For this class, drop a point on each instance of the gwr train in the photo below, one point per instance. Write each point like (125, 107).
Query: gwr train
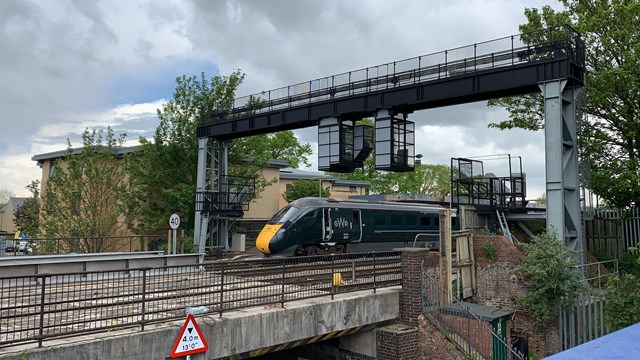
(310, 226)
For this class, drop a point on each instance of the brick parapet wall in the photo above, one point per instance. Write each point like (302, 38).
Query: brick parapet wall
(500, 286)
(397, 342)
(411, 295)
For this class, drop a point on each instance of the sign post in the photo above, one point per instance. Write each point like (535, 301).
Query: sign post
(174, 222)
(190, 341)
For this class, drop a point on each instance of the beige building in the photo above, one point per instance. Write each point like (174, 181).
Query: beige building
(7, 212)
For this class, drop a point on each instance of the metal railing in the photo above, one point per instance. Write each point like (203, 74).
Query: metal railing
(67, 245)
(36, 308)
(473, 336)
(551, 43)
(584, 320)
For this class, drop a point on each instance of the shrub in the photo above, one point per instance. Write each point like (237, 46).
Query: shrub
(488, 250)
(548, 271)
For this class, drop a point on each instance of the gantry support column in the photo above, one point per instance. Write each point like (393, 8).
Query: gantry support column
(223, 195)
(211, 194)
(201, 218)
(561, 152)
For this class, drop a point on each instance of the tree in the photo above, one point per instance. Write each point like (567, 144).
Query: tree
(163, 172)
(306, 188)
(27, 216)
(425, 179)
(5, 195)
(82, 200)
(611, 138)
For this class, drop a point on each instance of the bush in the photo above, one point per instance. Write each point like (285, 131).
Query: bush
(488, 250)
(549, 273)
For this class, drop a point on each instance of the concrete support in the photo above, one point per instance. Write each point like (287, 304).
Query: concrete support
(561, 152)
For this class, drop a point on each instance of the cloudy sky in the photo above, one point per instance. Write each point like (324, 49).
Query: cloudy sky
(72, 64)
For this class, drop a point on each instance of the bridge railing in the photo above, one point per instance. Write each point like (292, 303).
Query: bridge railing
(552, 43)
(44, 306)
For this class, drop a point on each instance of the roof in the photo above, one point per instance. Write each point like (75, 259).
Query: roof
(622, 344)
(122, 150)
(483, 312)
(62, 153)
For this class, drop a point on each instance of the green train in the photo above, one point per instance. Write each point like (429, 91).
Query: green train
(311, 226)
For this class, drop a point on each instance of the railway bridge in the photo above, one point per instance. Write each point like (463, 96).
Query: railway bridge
(244, 308)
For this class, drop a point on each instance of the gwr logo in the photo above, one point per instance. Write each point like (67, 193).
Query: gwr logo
(341, 223)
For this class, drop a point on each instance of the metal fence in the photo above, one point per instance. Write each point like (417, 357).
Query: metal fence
(473, 336)
(585, 320)
(65, 245)
(36, 308)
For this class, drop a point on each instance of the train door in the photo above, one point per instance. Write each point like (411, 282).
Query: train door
(345, 225)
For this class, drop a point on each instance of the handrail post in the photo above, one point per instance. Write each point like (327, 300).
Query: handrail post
(144, 297)
(375, 274)
(284, 272)
(221, 289)
(332, 277)
(41, 325)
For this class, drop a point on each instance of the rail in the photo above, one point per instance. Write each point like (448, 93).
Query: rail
(551, 43)
(44, 306)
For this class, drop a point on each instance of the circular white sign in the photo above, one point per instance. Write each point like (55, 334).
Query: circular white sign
(174, 221)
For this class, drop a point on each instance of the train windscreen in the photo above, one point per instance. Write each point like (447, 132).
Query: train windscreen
(282, 216)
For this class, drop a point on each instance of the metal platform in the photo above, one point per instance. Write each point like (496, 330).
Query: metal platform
(507, 66)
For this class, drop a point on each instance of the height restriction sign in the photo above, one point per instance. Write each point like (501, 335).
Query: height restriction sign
(190, 340)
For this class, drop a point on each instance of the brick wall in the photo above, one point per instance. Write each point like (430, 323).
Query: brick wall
(500, 286)
(411, 295)
(397, 342)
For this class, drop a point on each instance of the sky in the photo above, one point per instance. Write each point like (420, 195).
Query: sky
(68, 65)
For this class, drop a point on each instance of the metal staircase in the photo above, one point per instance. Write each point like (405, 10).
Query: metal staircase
(502, 219)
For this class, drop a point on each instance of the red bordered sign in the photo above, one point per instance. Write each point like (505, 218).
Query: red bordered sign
(190, 340)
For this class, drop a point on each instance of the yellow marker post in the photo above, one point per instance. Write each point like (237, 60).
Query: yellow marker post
(337, 279)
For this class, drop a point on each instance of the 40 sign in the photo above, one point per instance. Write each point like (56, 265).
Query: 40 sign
(190, 341)
(174, 221)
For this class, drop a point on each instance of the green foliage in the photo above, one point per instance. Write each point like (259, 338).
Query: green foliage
(27, 216)
(623, 301)
(623, 295)
(612, 103)
(82, 200)
(628, 264)
(306, 188)
(548, 271)
(163, 172)
(488, 250)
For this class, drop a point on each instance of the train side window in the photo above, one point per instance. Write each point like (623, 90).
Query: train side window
(396, 220)
(379, 220)
(411, 220)
(356, 218)
(425, 221)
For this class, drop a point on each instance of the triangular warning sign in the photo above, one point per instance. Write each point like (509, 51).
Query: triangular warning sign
(189, 342)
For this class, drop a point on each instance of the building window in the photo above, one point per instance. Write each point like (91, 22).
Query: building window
(52, 169)
(288, 188)
(352, 189)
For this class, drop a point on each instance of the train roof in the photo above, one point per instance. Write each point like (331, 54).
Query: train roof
(363, 204)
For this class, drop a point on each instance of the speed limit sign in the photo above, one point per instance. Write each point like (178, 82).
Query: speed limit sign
(174, 221)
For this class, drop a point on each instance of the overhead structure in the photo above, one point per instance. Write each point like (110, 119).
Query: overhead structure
(551, 60)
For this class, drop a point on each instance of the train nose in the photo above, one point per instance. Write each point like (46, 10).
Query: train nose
(265, 236)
